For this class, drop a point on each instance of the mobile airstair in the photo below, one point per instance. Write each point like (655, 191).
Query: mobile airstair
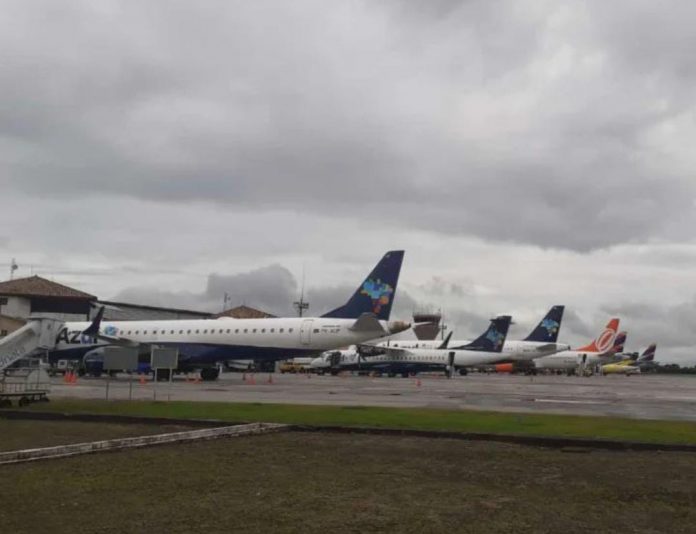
(22, 376)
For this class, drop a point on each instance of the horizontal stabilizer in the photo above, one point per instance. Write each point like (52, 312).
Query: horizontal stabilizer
(367, 322)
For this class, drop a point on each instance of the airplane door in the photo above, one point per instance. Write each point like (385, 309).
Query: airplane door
(306, 332)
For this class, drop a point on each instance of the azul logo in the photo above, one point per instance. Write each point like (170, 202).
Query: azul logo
(495, 337)
(75, 337)
(551, 326)
(379, 292)
(110, 330)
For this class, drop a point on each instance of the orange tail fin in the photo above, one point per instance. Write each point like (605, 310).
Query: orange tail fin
(605, 340)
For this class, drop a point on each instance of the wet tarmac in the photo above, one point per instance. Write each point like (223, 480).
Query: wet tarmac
(641, 397)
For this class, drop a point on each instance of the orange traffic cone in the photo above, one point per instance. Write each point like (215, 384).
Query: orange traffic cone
(270, 378)
(141, 379)
(418, 382)
(252, 381)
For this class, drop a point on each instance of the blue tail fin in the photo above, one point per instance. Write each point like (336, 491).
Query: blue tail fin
(547, 330)
(493, 339)
(376, 293)
(649, 354)
(619, 342)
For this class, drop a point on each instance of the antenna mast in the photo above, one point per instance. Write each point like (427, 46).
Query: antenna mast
(300, 305)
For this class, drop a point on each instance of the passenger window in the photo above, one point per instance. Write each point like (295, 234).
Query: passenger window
(236, 330)
(253, 331)
(198, 331)
(181, 331)
(129, 332)
(281, 330)
(316, 330)
(144, 332)
(263, 330)
(246, 330)
(290, 330)
(272, 330)
(228, 330)
(205, 331)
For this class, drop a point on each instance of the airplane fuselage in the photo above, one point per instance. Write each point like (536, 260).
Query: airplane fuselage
(570, 359)
(514, 350)
(211, 340)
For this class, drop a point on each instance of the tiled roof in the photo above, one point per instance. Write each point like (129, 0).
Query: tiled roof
(245, 312)
(35, 286)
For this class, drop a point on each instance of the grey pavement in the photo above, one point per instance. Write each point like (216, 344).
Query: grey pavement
(640, 397)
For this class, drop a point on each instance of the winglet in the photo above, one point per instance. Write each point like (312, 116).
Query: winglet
(446, 341)
(93, 329)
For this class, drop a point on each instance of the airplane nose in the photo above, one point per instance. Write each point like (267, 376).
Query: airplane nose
(398, 326)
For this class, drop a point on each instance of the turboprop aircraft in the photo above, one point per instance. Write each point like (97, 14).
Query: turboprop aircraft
(202, 343)
(595, 353)
(398, 360)
(516, 354)
(631, 366)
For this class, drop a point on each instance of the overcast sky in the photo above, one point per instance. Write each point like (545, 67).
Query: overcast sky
(523, 153)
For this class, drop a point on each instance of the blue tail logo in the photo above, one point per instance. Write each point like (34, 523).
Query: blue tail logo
(376, 292)
(496, 338)
(547, 330)
(551, 326)
(379, 292)
(493, 339)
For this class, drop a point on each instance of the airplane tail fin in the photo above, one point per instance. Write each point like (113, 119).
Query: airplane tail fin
(493, 339)
(547, 330)
(93, 329)
(649, 354)
(619, 342)
(376, 294)
(605, 340)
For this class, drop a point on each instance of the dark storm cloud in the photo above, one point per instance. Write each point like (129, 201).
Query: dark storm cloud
(272, 289)
(525, 122)
(671, 327)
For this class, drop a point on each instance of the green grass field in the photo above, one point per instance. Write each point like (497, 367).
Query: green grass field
(400, 418)
(307, 482)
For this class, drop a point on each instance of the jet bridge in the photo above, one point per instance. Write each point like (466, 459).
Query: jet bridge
(38, 334)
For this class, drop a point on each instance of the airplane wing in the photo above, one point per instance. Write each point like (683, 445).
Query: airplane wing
(367, 351)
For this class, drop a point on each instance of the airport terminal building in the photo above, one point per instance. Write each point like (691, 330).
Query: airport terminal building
(22, 297)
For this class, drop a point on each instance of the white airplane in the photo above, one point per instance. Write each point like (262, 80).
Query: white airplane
(597, 352)
(405, 361)
(542, 341)
(202, 343)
